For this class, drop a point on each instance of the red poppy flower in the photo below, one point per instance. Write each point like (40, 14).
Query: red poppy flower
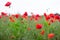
(17, 15)
(45, 14)
(51, 35)
(52, 15)
(26, 17)
(38, 26)
(52, 20)
(3, 13)
(8, 4)
(33, 15)
(42, 32)
(0, 16)
(36, 18)
(13, 15)
(56, 16)
(37, 15)
(47, 17)
(25, 14)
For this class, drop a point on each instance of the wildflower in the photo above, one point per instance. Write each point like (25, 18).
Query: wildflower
(17, 15)
(25, 14)
(11, 19)
(52, 20)
(38, 26)
(45, 14)
(26, 17)
(47, 18)
(42, 32)
(56, 16)
(3, 13)
(51, 35)
(37, 15)
(8, 4)
(13, 15)
(36, 18)
(33, 15)
(51, 15)
(0, 16)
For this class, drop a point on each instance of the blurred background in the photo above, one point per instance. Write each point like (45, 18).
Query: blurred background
(35, 6)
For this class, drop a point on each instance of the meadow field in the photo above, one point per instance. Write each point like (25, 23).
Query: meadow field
(34, 27)
(24, 27)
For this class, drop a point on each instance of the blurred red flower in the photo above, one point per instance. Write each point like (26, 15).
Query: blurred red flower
(13, 15)
(47, 18)
(56, 16)
(52, 20)
(45, 14)
(37, 15)
(3, 13)
(38, 26)
(26, 17)
(51, 35)
(51, 15)
(0, 16)
(42, 32)
(25, 14)
(8, 4)
(17, 15)
(33, 16)
(36, 18)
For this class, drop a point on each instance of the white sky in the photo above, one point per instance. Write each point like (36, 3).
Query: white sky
(35, 6)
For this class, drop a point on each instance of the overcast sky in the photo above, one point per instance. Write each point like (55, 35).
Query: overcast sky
(35, 6)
